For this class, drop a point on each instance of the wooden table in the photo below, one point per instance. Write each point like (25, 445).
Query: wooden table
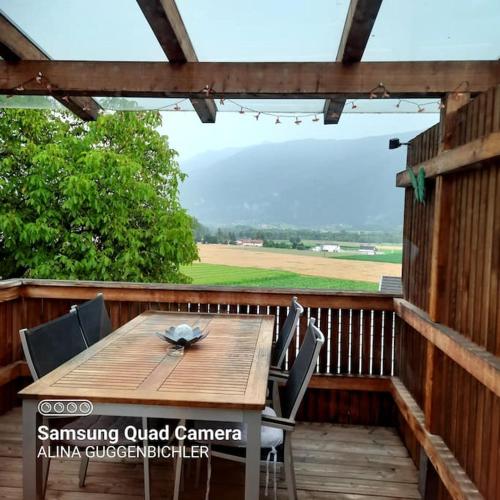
(129, 373)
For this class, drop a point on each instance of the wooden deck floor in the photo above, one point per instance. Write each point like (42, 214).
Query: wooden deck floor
(331, 461)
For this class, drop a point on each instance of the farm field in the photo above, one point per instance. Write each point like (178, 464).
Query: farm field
(297, 262)
(390, 256)
(215, 274)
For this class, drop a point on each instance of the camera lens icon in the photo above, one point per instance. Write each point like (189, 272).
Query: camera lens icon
(85, 407)
(59, 407)
(71, 407)
(45, 407)
(65, 408)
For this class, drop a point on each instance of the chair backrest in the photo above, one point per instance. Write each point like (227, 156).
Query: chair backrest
(301, 371)
(50, 345)
(94, 319)
(286, 334)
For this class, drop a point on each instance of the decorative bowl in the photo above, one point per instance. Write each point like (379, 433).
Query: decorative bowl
(182, 335)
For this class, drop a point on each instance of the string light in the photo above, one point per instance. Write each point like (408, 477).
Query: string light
(379, 91)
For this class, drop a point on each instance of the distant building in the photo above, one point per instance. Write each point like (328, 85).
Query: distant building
(250, 243)
(326, 248)
(368, 249)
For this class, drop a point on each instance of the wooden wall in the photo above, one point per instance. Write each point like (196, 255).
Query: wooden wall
(471, 302)
(417, 239)
(451, 277)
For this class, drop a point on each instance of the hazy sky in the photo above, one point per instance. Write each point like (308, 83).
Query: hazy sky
(260, 30)
(190, 137)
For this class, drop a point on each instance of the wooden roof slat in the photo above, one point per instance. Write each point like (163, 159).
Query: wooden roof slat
(274, 80)
(166, 22)
(15, 46)
(359, 23)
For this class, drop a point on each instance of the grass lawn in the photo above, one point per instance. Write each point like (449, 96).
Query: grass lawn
(389, 256)
(214, 274)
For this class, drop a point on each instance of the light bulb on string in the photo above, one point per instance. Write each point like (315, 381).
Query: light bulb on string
(257, 115)
(297, 121)
(386, 94)
(315, 119)
(221, 101)
(177, 107)
(20, 88)
(39, 77)
(277, 122)
(398, 104)
(353, 105)
(420, 109)
(65, 98)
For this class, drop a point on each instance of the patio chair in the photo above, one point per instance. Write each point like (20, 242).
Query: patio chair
(50, 345)
(280, 348)
(276, 433)
(94, 319)
(286, 334)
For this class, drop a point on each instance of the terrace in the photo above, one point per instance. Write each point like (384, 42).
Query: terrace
(405, 400)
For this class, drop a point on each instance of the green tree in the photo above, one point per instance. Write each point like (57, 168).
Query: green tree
(94, 201)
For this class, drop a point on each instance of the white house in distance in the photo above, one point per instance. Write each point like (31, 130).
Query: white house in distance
(250, 243)
(330, 248)
(368, 249)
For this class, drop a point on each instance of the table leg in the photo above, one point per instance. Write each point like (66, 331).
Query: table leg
(32, 466)
(145, 462)
(252, 465)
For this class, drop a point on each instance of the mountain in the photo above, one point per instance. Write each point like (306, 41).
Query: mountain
(308, 183)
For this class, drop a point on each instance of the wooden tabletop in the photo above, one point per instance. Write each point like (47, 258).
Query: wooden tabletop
(228, 369)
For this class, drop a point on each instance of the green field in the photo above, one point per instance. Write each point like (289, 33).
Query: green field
(214, 274)
(389, 256)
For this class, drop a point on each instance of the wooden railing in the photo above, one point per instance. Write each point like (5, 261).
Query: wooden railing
(359, 329)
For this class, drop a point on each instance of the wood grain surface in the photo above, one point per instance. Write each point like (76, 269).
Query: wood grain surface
(227, 369)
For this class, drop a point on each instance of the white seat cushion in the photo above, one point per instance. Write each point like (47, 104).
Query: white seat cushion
(270, 437)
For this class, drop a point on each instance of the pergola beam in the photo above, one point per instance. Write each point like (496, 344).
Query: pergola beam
(15, 46)
(165, 20)
(359, 23)
(301, 80)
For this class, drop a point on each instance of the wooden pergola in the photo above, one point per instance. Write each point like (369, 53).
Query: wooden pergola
(432, 365)
(26, 70)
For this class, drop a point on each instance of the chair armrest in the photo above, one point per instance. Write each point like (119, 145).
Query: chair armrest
(279, 422)
(278, 375)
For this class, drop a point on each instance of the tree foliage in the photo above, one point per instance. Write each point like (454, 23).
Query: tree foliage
(97, 201)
